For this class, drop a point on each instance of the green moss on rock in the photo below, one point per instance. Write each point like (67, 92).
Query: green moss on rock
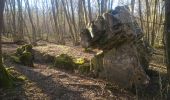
(19, 52)
(84, 68)
(48, 58)
(97, 64)
(5, 80)
(64, 62)
(24, 55)
(27, 59)
(15, 59)
(27, 48)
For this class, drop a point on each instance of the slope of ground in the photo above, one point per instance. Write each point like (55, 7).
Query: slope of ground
(47, 83)
(56, 50)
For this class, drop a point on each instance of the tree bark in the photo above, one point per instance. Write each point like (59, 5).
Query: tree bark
(132, 6)
(32, 23)
(68, 21)
(140, 14)
(153, 27)
(2, 4)
(89, 8)
(167, 38)
(167, 33)
(20, 20)
(4, 78)
(55, 18)
(85, 12)
(147, 20)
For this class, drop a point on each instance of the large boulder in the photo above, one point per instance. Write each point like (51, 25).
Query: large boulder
(24, 55)
(125, 55)
(111, 30)
(122, 66)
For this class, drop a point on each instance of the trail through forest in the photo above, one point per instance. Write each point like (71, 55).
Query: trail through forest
(45, 82)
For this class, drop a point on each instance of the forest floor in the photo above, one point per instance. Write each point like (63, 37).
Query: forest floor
(44, 82)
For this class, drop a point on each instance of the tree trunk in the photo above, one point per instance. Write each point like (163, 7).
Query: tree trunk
(167, 38)
(140, 14)
(80, 15)
(55, 19)
(68, 21)
(147, 20)
(99, 10)
(102, 6)
(13, 9)
(132, 6)
(32, 23)
(20, 20)
(85, 12)
(153, 27)
(89, 8)
(4, 78)
(73, 21)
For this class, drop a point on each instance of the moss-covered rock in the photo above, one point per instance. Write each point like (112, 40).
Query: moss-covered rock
(145, 52)
(24, 55)
(64, 62)
(15, 59)
(27, 48)
(27, 59)
(80, 61)
(19, 51)
(97, 64)
(5, 80)
(48, 58)
(84, 68)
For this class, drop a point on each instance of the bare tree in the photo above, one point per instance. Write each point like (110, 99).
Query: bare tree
(4, 78)
(53, 3)
(132, 6)
(32, 23)
(81, 22)
(167, 35)
(20, 20)
(68, 21)
(89, 8)
(153, 26)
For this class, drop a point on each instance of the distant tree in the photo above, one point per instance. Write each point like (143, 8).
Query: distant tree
(20, 21)
(70, 20)
(30, 14)
(132, 5)
(89, 8)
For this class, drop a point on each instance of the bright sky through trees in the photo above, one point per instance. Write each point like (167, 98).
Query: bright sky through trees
(115, 3)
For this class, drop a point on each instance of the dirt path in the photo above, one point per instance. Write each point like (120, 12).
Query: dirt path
(47, 83)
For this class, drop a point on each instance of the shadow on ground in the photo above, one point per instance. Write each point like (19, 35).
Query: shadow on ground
(54, 89)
